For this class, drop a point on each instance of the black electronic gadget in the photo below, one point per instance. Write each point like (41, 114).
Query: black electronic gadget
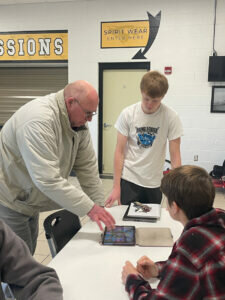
(216, 68)
(120, 236)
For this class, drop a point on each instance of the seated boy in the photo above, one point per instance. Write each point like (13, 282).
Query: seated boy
(195, 268)
(27, 278)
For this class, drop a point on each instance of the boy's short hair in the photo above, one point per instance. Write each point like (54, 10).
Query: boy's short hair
(154, 84)
(191, 188)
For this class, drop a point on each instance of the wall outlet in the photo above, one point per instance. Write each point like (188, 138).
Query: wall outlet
(195, 157)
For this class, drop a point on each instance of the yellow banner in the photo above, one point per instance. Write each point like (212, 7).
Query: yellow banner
(34, 46)
(124, 34)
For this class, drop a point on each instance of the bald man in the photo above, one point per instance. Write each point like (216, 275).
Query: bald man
(40, 145)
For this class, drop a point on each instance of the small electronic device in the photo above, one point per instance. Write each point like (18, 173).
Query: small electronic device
(216, 68)
(120, 236)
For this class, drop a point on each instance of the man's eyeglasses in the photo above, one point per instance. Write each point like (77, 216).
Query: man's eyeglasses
(88, 114)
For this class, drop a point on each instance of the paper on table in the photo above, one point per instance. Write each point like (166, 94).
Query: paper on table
(153, 213)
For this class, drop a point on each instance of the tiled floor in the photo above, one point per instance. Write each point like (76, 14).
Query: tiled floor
(42, 253)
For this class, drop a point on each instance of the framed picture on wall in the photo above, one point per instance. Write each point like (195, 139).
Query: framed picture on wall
(218, 99)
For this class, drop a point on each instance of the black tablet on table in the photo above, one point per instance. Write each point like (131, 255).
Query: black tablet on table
(120, 236)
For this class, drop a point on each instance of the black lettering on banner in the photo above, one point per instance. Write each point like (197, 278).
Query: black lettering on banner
(1, 48)
(114, 31)
(21, 45)
(44, 46)
(58, 46)
(31, 47)
(137, 30)
(11, 49)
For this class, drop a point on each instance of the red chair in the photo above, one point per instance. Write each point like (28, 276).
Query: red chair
(219, 183)
(218, 176)
(167, 166)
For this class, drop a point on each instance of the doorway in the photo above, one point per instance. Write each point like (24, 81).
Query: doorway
(118, 88)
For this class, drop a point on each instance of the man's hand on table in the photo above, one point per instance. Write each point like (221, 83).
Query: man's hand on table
(99, 214)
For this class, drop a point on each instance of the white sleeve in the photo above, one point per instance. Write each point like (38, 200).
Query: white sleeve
(175, 127)
(122, 124)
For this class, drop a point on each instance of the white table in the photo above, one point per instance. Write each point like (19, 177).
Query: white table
(88, 270)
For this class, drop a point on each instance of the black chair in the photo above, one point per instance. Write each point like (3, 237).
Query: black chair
(60, 227)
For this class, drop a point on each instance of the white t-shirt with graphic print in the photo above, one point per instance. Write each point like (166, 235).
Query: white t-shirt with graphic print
(147, 139)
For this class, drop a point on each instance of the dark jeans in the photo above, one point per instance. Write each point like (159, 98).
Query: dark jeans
(131, 192)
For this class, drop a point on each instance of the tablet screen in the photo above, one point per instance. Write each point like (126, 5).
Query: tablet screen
(120, 235)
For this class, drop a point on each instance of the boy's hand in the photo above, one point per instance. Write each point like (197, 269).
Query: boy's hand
(127, 270)
(147, 268)
(115, 195)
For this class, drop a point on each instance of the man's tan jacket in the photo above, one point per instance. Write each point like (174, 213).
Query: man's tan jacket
(38, 151)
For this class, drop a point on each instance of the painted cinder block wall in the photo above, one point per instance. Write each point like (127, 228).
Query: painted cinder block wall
(184, 41)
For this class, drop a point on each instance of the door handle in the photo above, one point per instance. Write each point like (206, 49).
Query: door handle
(107, 125)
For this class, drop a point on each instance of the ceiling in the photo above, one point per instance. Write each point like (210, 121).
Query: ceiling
(9, 2)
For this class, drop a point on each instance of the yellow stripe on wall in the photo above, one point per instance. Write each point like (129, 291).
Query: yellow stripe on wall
(34, 46)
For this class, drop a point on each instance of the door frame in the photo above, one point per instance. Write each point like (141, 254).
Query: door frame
(101, 69)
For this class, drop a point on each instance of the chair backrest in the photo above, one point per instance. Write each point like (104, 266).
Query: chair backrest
(60, 227)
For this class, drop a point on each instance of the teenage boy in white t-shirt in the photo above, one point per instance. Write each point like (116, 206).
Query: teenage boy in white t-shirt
(143, 131)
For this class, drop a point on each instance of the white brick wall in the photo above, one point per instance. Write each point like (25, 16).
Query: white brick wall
(184, 41)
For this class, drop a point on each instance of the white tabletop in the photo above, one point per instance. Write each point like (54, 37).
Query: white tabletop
(88, 270)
